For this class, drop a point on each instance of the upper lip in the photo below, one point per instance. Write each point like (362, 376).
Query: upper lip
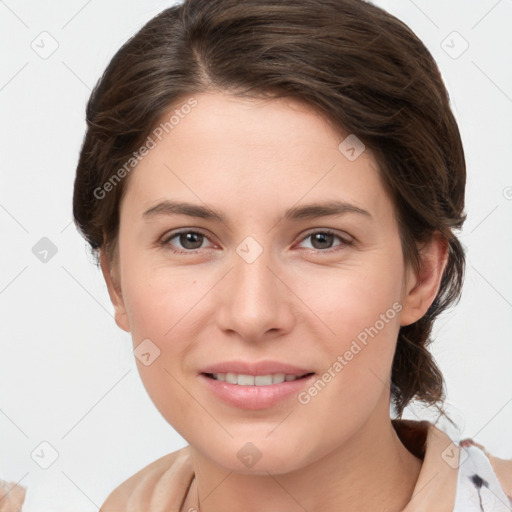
(255, 368)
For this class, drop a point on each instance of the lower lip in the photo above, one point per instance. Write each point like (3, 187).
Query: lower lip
(255, 397)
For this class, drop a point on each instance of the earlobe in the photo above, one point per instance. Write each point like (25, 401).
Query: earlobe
(422, 287)
(114, 291)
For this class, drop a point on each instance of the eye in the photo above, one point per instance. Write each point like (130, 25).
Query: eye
(191, 241)
(322, 240)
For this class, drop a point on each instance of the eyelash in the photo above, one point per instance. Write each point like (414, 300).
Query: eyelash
(165, 242)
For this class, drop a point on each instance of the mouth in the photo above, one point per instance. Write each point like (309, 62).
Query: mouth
(242, 379)
(255, 384)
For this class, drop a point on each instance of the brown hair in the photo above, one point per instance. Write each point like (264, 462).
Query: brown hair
(360, 67)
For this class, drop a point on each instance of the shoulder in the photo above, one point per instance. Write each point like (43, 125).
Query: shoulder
(12, 495)
(503, 470)
(163, 482)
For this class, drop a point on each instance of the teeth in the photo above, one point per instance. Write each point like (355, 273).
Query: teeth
(277, 378)
(251, 380)
(230, 377)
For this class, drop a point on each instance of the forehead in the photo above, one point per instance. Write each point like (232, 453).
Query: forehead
(254, 154)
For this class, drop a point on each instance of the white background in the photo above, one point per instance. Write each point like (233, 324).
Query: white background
(67, 373)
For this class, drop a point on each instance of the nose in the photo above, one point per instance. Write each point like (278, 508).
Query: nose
(254, 300)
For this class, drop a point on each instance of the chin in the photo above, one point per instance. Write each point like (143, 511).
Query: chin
(258, 454)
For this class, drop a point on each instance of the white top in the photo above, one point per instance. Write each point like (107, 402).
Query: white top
(478, 487)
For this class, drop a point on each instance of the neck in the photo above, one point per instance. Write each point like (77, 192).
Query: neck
(372, 471)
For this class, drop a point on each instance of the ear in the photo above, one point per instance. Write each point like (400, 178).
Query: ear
(421, 288)
(114, 291)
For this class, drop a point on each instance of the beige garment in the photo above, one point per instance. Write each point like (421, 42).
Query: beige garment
(12, 496)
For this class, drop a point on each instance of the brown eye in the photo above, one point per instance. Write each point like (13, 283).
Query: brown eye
(189, 241)
(322, 241)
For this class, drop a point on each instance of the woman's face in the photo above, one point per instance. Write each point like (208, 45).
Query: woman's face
(276, 287)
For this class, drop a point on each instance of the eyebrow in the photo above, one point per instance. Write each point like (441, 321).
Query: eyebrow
(309, 211)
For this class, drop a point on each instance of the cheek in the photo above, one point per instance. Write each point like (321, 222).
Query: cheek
(352, 301)
(161, 308)
(158, 299)
(364, 315)
(360, 313)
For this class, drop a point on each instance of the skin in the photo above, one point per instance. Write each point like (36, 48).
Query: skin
(301, 301)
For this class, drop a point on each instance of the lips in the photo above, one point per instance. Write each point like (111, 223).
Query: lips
(255, 396)
(255, 385)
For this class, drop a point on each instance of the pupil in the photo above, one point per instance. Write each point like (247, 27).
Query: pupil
(322, 237)
(187, 238)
